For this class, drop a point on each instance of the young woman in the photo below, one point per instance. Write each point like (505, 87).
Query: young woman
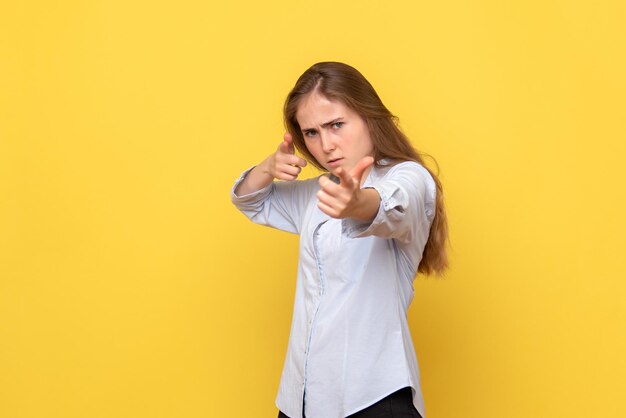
(366, 229)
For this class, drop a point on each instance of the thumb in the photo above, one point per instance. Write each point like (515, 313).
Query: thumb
(360, 167)
(287, 145)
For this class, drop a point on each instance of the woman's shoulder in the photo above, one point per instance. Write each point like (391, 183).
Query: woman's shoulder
(394, 168)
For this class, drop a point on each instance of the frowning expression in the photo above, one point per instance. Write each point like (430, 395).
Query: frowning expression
(333, 133)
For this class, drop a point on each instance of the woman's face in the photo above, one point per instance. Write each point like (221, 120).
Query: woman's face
(333, 133)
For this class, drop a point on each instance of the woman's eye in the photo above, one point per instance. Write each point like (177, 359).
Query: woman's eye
(310, 133)
(337, 125)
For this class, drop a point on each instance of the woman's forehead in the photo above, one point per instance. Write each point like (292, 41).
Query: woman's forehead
(317, 109)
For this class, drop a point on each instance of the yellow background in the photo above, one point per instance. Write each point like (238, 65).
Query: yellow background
(131, 287)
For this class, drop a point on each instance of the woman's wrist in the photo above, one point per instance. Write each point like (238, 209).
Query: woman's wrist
(366, 205)
(258, 178)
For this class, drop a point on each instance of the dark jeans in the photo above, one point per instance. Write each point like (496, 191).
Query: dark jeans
(397, 405)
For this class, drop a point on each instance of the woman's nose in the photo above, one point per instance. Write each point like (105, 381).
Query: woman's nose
(327, 144)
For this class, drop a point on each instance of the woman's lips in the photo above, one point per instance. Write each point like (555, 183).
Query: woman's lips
(336, 162)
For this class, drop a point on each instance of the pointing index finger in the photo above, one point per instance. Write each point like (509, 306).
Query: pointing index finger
(287, 145)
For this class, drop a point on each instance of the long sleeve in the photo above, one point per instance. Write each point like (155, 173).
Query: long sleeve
(407, 205)
(280, 205)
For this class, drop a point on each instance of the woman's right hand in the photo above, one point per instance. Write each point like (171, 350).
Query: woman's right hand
(284, 164)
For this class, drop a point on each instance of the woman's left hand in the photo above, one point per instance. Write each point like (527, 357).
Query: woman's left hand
(347, 199)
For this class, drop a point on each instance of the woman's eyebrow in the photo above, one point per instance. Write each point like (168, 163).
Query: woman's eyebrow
(324, 125)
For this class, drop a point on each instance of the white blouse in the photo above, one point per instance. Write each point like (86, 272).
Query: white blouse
(350, 343)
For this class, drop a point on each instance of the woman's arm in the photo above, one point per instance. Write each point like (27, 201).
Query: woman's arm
(277, 204)
(407, 206)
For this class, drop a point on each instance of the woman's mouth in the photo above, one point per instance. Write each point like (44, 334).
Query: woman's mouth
(335, 162)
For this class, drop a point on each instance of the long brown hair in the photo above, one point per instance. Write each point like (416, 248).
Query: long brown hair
(338, 81)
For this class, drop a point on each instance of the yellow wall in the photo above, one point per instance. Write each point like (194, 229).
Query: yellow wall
(131, 287)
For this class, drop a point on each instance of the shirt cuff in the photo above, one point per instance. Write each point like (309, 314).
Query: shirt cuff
(390, 210)
(250, 196)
